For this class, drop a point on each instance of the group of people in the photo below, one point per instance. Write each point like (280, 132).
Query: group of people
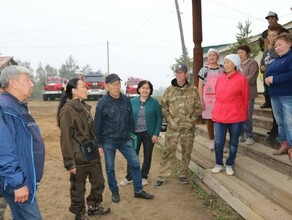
(225, 98)
(276, 67)
(228, 98)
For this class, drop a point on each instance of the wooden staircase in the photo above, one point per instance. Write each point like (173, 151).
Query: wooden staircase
(262, 185)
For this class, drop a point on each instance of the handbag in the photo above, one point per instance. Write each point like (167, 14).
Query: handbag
(88, 150)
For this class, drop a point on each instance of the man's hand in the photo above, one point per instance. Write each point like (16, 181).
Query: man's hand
(73, 170)
(21, 194)
(101, 153)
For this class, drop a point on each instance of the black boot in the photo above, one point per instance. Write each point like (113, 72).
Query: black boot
(99, 209)
(267, 103)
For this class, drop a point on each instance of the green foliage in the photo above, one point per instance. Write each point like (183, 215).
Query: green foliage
(86, 69)
(243, 38)
(69, 69)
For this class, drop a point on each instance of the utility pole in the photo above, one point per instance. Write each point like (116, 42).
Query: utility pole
(107, 47)
(184, 50)
(181, 32)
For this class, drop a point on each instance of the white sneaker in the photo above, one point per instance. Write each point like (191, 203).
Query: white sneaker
(144, 182)
(249, 141)
(125, 182)
(211, 145)
(229, 171)
(217, 169)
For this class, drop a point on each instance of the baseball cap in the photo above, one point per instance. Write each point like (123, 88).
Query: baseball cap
(181, 67)
(271, 14)
(112, 78)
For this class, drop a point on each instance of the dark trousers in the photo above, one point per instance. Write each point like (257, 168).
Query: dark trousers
(143, 137)
(77, 188)
(274, 129)
(266, 94)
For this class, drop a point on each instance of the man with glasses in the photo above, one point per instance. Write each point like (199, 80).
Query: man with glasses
(113, 123)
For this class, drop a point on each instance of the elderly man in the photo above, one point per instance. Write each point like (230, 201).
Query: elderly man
(113, 123)
(22, 149)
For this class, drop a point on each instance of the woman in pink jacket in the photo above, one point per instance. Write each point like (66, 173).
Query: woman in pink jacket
(230, 111)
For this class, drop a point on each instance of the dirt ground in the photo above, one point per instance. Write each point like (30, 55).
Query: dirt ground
(172, 201)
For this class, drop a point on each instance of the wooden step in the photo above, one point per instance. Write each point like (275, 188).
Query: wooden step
(260, 134)
(265, 112)
(257, 151)
(246, 200)
(271, 183)
(262, 122)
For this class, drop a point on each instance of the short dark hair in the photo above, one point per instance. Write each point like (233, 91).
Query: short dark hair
(141, 83)
(277, 28)
(243, 47)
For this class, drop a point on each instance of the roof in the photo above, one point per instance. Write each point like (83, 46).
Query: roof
(206, 49)
(5, 59)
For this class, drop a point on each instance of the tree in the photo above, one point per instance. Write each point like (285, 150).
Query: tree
(50, 71)
(243, 38)
(69, 69)
(40, 74)
(86, 69)
(26, 65)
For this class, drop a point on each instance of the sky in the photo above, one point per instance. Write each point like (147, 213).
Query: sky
(131, 37)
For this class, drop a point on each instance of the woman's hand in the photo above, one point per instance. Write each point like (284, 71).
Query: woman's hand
(154, 138)
(269, 80)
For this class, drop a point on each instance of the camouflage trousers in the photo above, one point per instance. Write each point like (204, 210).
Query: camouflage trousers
(172, 139)
(3, 205)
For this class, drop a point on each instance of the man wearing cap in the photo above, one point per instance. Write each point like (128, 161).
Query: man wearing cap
(272, 18)
(181, 107)
(113, 123)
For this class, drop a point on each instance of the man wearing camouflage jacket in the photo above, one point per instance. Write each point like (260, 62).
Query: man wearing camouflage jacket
(181, 107)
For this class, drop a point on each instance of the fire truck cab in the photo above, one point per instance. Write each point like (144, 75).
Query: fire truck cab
(54, 88)
(95, 83)
(131, 86)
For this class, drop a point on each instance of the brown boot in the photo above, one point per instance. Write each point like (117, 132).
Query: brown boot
(283, 149)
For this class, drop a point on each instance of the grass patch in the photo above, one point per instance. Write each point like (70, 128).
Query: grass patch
(213, 202)
(208, 199)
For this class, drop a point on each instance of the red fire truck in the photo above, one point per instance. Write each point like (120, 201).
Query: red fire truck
(54, 88)
(131, 86)
(95, 83)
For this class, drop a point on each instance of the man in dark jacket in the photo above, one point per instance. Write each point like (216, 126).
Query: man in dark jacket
(22, 151)
(272, 19)
(113, 123)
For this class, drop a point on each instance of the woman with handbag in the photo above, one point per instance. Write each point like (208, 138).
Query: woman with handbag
(79, 149)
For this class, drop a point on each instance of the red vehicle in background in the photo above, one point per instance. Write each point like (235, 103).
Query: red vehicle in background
(54, 88)
(131, 86)
(95, 83)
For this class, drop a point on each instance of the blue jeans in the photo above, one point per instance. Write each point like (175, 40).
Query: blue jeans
(128, 151)
(247, 126)
(234, 130)
(22, 211)
(282, 109)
